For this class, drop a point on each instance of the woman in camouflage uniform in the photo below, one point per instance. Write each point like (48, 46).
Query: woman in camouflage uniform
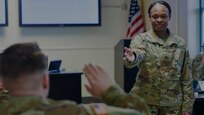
(163, 77)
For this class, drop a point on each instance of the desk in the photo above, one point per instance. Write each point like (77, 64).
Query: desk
(65, 85)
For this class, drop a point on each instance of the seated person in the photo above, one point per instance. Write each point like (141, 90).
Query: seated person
(25, 76)
(198, 68)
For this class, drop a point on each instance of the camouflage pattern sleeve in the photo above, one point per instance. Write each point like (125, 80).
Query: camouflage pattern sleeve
(137, 46)
(186, 84)
(56, 108)
(32, 105)
(115, 96)
(3, 95)
(103, 109)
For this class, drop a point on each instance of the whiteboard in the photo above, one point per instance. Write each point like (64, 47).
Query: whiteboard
(3, 13)
(59, 12)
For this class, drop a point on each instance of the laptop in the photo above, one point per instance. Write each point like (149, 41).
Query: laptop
(54, 66)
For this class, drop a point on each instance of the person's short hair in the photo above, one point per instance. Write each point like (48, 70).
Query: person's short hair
(22, 58)
(162, 3)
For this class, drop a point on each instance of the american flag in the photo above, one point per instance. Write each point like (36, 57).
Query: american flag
(135, 21)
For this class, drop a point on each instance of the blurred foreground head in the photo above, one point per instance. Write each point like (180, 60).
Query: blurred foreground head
(24, 69)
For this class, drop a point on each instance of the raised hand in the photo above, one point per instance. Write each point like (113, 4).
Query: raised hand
(99, 80)
(129, 54)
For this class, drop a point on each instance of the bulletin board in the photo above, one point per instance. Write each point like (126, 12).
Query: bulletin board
(3, 13)
(59, 13)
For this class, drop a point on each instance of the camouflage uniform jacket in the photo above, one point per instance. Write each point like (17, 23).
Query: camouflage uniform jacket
(33, 105)
(163, 78)
(197, 68)
(3, 95)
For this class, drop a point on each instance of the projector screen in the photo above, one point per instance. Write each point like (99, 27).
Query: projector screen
(59, 13)
(3, 13)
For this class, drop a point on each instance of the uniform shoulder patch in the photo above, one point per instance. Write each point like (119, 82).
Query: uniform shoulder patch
(99, 108)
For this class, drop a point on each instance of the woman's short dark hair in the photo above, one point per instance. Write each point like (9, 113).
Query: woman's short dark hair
(162, 3)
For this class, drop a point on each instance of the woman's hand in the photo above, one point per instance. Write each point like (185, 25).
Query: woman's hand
(129, 54)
